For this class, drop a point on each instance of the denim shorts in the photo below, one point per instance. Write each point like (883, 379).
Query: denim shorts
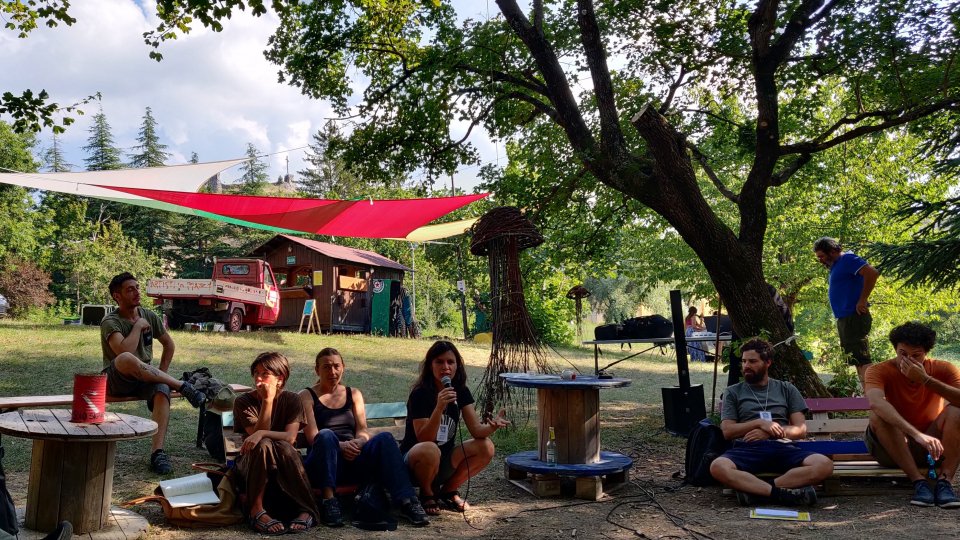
(766, 456)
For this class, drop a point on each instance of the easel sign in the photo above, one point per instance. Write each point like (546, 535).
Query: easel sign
(310, 316)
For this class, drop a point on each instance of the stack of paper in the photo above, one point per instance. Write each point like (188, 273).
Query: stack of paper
(774, 513)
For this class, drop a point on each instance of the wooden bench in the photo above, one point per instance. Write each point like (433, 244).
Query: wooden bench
(13, 403)
(850, 457)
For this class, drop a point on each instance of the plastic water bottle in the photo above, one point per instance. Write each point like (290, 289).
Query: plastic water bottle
(552, 448)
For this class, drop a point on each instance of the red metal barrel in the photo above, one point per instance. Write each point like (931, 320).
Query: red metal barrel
(89, 398)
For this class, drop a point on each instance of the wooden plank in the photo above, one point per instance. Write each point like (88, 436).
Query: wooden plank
(12, 423)
(27, 402)
(51, 472)
(107, 452)
(50, 422)
(33, 424)
(545, 419)
(838, 404)
(74, 487)
(591, 411)
(589, 488)
(116, 426)
(33, 485)
(838, 425)
(576, 440)
(131, 524)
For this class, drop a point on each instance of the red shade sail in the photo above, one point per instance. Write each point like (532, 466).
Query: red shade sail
(392, 218)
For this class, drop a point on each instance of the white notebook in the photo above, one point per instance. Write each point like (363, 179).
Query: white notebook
(189, 491)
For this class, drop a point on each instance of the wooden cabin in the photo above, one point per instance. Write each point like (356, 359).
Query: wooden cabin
(338, 278)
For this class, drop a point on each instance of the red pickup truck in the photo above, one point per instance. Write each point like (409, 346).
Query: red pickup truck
(241, 292)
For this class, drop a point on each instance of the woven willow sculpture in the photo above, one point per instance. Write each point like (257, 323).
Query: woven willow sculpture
(500, 235)
(577, 294)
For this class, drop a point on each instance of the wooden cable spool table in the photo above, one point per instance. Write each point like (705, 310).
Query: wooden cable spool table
(71, 468)
(572, 408)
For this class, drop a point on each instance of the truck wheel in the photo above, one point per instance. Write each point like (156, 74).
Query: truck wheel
(235, 322)
(174, 322)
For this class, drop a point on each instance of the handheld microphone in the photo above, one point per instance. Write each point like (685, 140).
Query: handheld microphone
(447, 383)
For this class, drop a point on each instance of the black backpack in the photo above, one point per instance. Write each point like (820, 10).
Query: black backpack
(371, 509)
(705, 443)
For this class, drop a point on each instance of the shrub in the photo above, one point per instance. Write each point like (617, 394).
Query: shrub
(24, 284)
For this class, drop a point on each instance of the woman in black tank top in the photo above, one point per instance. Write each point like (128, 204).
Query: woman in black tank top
(342, 452)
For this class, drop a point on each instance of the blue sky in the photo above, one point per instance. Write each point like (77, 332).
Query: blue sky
(212, 94)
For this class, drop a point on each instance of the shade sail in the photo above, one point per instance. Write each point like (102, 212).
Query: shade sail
(367, 218)
(440, 230)
(97, 183)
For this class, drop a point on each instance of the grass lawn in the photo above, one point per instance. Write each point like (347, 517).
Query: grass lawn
(38, 359)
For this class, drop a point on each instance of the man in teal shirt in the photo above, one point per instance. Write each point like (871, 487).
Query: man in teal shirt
(126, 337)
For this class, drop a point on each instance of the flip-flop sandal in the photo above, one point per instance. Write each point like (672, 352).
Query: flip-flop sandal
(264, 527)
(306, 523)
(430, 506)
(448, 501)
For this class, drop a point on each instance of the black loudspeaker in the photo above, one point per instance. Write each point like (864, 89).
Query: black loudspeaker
(682, 409)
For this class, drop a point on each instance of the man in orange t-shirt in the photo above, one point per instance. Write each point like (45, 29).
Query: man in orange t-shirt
(915, 414)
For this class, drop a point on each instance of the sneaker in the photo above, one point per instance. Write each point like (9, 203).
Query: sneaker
(194, 396)
(805, 496)
(330, 514)
(413, 512)
(746, 499)
(922, 496)
(160, 462)
(943, 493)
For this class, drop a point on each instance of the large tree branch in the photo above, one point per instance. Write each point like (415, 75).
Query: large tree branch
(807, 14)
(818, 144)
(533, 86)
(561, 96)
(611, 134)
(677, 83)
(779, 178)
(705, 164)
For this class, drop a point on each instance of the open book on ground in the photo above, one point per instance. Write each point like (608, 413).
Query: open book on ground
(189, 491)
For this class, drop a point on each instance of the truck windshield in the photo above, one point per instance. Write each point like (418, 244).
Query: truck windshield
(236, 269)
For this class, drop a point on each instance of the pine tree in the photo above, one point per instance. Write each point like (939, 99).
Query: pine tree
(53, 159)
(150, 152)
(255, 177)
(327, 177)
(102, 154)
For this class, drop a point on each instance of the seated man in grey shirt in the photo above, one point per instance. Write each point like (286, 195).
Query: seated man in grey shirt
(762, 416)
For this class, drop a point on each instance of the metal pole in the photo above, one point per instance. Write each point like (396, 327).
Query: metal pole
(463, 293)
(413, 280)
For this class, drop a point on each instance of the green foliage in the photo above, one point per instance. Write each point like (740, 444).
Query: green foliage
(254, 180)
(92, 262)
(616, 298)
(103, 154)
(845, 382)
(550, 311)
(150, 152)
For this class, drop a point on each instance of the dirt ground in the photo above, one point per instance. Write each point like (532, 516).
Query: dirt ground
(652, 505)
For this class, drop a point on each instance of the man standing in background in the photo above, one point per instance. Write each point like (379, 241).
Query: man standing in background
(851, 281)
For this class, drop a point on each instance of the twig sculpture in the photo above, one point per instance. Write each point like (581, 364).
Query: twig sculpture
(500, 235)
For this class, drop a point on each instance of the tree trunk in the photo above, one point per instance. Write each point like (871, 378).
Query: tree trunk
(735, 264)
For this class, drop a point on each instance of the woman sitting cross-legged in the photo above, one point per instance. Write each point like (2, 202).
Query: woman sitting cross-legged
(439, 465)
(343, 451)
(269, 418)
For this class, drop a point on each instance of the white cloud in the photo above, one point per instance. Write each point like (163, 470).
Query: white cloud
(212, 93)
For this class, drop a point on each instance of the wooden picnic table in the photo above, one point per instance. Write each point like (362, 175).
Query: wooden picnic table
(71, 469)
